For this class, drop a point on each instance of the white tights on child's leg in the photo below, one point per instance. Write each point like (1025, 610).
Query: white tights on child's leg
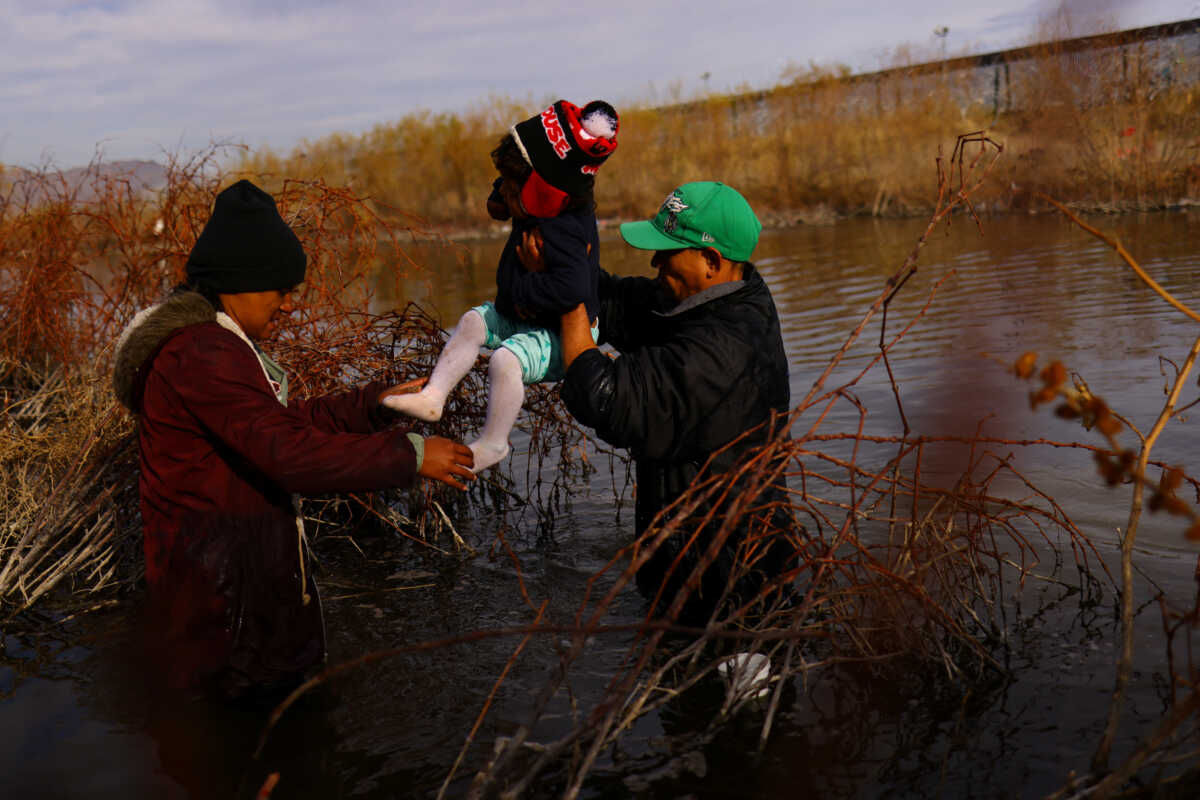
(506, 392)
(453, 364)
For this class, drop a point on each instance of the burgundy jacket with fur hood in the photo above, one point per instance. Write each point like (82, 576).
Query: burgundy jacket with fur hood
(220, 460)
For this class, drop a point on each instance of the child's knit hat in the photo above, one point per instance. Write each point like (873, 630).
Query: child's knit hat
(565, 145)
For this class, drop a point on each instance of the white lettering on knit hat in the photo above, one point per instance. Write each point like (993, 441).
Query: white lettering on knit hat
(554, 133)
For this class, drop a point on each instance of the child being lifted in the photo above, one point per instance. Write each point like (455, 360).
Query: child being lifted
(547, 167)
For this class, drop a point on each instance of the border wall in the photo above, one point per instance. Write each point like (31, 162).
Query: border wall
(1106, 68)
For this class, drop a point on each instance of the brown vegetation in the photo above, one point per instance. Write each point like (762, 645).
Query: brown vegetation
(1109, 128)
(73, 273)
(894, 577)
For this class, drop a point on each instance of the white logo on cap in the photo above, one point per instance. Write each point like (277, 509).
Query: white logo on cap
(707, 237)
(674, 204)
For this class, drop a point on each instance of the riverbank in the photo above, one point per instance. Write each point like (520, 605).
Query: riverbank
(824, 215)
(813, 171)
(1110, 128)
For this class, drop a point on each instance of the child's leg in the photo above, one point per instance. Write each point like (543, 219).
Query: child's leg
(453, 364)
(506, 392)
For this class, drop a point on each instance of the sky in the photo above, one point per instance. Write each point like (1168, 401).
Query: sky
(140, 79)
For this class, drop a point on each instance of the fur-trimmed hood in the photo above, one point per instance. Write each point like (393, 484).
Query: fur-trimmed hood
(146, 332)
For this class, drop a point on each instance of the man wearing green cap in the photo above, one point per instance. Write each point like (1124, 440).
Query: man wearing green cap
(702, 366)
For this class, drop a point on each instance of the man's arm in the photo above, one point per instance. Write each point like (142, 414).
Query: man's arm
(576, 334)
(656, 398)
(219, 382)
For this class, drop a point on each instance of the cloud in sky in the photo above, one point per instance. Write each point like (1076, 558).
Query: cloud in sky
(137, 77)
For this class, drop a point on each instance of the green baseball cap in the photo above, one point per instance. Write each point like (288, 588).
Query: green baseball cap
(700, 214)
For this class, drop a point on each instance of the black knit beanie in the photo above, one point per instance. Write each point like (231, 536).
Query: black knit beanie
(566, 144)
(246, 246)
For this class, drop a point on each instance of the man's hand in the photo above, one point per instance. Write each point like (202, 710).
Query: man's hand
(530, 251)
(408, 387)
(447, 461)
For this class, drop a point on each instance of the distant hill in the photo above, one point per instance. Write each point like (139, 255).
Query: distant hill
(145, 177)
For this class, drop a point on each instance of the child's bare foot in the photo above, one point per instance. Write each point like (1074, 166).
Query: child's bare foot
(421, 405)
(487, 454)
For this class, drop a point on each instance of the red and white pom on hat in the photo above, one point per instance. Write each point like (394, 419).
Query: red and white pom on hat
(599, 121)
(594, 129)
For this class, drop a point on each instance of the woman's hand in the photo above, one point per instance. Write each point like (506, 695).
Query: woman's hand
(447, 461)
(530, 250)
(408, 387)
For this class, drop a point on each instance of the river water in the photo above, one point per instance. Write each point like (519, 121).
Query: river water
(76, 718)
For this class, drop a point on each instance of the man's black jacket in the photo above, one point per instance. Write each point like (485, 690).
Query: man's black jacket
(689, 381)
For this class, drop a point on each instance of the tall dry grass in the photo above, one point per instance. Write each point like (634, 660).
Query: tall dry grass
(1108, 128)
(68, 493)
(431, 165)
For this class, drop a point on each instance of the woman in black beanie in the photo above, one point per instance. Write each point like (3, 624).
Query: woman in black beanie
(225, 454)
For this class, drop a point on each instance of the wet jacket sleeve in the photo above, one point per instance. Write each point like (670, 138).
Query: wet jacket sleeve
(566, 281)
(354, 411)
(625, 316)
(652, 399)
(308, 448)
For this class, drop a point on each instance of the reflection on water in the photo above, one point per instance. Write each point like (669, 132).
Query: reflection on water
(75, 721)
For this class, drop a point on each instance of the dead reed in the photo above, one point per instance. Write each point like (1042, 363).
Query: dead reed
(68, 490)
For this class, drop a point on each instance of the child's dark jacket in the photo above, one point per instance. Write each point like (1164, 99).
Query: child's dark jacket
(571, 251)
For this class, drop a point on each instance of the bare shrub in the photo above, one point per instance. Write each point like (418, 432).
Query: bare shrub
(79, 259)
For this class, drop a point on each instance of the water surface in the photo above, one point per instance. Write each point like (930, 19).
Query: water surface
(77, 719)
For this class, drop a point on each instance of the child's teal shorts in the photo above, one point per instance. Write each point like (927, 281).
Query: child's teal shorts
(539, 350)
